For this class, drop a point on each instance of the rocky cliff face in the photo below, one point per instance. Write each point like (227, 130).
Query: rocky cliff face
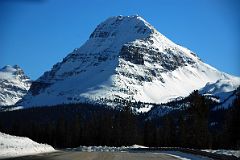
(125, 58)
(14, 84)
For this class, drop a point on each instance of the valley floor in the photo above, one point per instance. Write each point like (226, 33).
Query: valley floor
(79, 155)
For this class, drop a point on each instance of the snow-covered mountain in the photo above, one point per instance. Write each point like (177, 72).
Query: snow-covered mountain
(13, 146)
(125, 58)
(14, 84)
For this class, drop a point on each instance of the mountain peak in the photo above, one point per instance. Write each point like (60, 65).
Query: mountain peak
(12, 71)
(9, 68)
(134, 18)
(14, 84)
(16, 66)
(124, 22)
(118, 26)
(121, 17)
(110, 35)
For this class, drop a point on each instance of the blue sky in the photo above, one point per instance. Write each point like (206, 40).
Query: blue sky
(36, 34)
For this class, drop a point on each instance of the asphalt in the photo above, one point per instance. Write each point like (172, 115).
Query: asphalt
(77, 155)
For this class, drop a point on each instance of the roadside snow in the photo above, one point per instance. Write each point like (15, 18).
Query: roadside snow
(235, 153)
(13, 146)
(105, 148)
(137, 146)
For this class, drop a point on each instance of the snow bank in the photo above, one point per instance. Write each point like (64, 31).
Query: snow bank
(235, 153)
(13, 146)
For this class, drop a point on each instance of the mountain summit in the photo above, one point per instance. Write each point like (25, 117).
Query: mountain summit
(125, 58)
(14, 84)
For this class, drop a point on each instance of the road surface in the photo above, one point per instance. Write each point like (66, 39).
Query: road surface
(77, 155)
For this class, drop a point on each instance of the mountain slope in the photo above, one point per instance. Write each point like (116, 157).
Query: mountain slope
(14, 84)
(223, 91)
(125, 58)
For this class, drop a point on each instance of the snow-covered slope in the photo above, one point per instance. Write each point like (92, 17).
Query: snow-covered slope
(223, 91)
(14, 84)
(125, 58)
(13, 146)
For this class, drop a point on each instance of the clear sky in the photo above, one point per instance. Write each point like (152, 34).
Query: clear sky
(36, 34)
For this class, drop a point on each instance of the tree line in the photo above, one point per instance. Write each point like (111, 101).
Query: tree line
(72, 125)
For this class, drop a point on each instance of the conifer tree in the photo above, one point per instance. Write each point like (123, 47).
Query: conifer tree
(232, 129)
(198, 119)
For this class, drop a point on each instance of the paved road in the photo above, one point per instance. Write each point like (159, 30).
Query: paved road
(76, 155)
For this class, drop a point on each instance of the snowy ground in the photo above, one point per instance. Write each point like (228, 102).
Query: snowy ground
(235, 153)
(13, 146)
